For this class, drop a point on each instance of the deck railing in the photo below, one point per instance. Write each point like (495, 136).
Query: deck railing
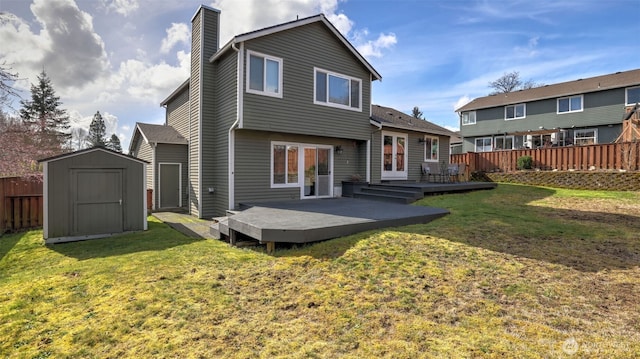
(610, 156)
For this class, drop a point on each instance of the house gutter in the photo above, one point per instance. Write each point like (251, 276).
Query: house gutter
(237, 124)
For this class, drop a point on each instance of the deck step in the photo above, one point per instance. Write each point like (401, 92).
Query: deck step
(219, 229)
(383, 197)
(392, 192)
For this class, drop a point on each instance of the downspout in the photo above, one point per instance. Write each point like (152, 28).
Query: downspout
(154, 183)
(235, 125)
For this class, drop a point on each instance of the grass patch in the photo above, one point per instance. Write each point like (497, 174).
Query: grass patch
(518, 271)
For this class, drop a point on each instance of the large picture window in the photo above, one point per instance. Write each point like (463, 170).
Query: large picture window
(570, 104)
(483, 144)
(431, 148)
(284, 165)
(587, 136)
(336, 90)
(513, 112)
(503, 142)
(633, 96)
(469, 118)
(264, 74)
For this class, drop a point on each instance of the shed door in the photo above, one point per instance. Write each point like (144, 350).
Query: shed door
(97, 201)
(169, 185)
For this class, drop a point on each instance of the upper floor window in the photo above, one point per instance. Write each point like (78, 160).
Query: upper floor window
(483, 144)
(431, 148)
(585, 137)
(513, 112)
(264, 74)
(469, 118)
(633, 96)
(570, 104)
(337, 90)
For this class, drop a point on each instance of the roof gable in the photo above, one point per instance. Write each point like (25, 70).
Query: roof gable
(160, 134)
(389, 117)
(576, 87)
(292, 25)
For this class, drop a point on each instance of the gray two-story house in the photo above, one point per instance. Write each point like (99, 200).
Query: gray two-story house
(580, 112)
(279, 113)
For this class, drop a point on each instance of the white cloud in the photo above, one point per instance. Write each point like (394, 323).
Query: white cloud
(177, 33)
(374, 48)
(124, 7)
(461, 102)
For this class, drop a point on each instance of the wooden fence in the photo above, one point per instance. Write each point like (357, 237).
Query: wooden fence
(21, 203)
(610, 156)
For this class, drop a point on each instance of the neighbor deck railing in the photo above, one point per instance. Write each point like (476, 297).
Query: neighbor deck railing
(610, 156)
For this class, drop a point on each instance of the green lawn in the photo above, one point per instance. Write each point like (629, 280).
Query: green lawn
(517, 271)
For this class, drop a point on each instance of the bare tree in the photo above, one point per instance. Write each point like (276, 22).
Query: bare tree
(7, 78)
(510, 82)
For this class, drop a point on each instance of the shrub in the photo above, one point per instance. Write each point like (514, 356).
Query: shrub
(524, 162)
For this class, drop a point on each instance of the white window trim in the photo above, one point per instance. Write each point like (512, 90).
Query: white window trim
(331, 104)
(514, 112)
(595, 134)
(569, 98)
(469, 123)
(495, 140)
(284, 185)
(395, 175)
(475, 143)
(626, 95)
(248, 74)
(425, 148)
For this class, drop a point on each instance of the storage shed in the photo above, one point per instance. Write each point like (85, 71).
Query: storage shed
(93, 193)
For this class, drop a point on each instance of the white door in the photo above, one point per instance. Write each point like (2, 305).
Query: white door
(318, 172)
(394, 156)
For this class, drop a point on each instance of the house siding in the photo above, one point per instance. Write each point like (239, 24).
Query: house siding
(253, 163)
(302, 49)
(143, 151)
(178, 113)
(168, 153)
(194, 116)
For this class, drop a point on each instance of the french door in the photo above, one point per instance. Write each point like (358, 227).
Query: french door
(318, 178)
(394, 155)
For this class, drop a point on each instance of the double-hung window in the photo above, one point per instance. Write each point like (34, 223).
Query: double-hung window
(632, 95)
(264, 74)
(431, 148)
(336, 90)
(570, 104)
(513, 112)
(284, 165)
(469, 118)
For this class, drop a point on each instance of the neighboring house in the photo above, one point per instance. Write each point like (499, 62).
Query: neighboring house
(166, 150)
(580, 112)
(279, 113)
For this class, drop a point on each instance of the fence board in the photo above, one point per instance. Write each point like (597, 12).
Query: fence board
(610, 156)
(21, 203)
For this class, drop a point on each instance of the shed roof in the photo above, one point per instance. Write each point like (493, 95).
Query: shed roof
(593, 84)
(389, 117)
(89, 150)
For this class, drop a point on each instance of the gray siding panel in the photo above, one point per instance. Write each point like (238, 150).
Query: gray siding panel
(143, 151)
(194, 116)
(178, 113)
(253, 163)
(302, 49)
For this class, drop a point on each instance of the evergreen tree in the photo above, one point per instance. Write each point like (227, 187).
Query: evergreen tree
(44, 115)
(114, 143)
(416, 112)
(97, 131)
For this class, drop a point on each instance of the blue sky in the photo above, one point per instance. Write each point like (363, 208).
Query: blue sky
(123, 57)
